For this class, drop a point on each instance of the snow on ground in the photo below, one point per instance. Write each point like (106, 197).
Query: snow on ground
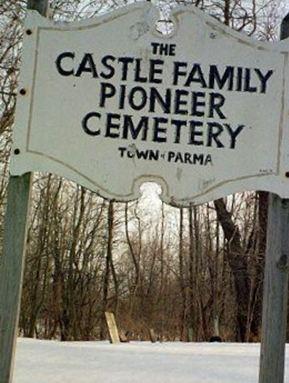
(136, 362)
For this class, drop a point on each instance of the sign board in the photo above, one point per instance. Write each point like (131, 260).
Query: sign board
(111, 103)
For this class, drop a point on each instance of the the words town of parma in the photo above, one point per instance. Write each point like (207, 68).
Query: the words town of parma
(141, 99)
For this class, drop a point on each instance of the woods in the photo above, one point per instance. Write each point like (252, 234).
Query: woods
(188, 273)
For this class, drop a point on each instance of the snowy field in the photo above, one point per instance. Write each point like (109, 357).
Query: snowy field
(136, 362)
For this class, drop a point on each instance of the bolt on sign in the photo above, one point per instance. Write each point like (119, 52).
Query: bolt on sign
(112, 102)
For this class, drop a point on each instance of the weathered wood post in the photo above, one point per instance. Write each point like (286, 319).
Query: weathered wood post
(12, 260)
(276, 283)
(112, 327)
(275, 293)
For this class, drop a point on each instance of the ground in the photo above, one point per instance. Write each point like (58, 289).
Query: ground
(136, 362)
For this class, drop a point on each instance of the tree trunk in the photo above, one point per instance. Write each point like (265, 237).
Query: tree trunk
(238, 264)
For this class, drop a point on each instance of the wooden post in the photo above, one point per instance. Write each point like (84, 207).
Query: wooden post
(12, 260)
(112, 328)
(152, 335)
(275, 292)
(11, 270)
(275, 297)
(216, 326)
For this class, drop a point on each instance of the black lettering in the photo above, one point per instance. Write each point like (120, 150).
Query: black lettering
(87, 65)
(179, 102)
(142, 154)
(198, 106)
(172, 51)
(125, 61)
(156, 68)
(111, 71)
(227, 78)
(106, 91)
(247, 86)
(163, 49)
(138, 69)
(158, 130)
(178, 124)
(122, 94)
(196, 75)
(155, 47)
(86, 120)
(135, 131)
(154, 155)
(179, 157)
(214, 130)
(178, 72)
(110, 125)
(132, 98)
(122, 151)
(239, 79)
(199, 158)
(188, 158)
(208, 160)
(194, 133)
(216, 102)
(59, 66)
(171, 155)
(264, 79)
(234, 134)
(163, 102)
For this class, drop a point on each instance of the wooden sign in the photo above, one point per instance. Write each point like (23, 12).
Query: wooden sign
(111, 103)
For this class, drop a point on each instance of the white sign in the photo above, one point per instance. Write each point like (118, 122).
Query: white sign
(111, 103)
